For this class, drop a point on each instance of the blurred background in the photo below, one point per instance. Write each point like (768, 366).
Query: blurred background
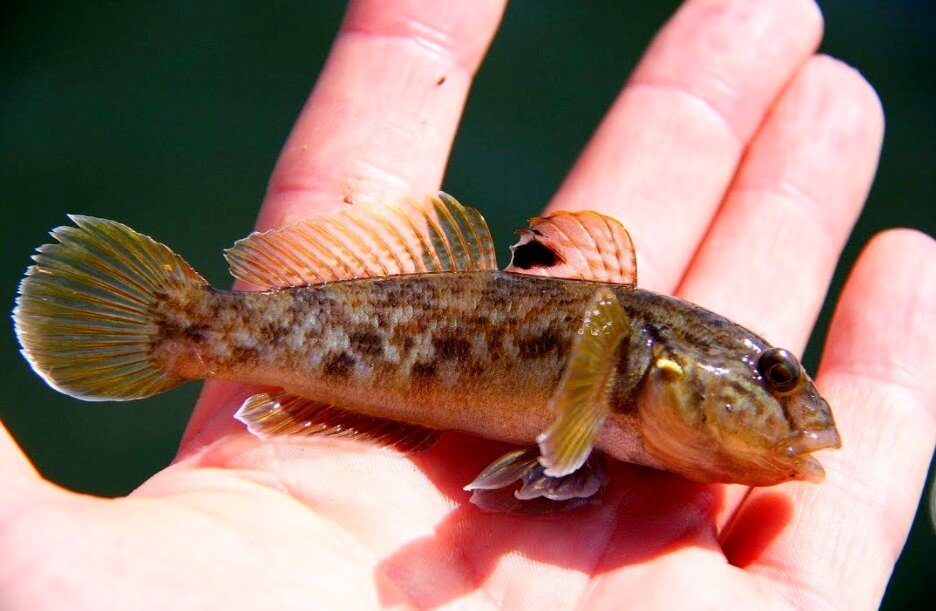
(169, 117)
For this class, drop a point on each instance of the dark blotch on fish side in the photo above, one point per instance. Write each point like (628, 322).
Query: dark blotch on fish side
(533, 254)
(422, 369)
(366, 342)
(244, 354)
(623, 389)
(340, 365)
(195, 333)
(537, 346)
(271, 333)
(452, 347)
(494, 346)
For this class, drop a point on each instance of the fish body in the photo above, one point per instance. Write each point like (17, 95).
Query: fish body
(560, 364)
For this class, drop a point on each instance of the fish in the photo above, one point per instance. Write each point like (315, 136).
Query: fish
(391, 322)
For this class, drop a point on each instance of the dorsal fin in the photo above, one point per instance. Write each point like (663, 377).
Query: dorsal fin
(365, 241)
(576, 245)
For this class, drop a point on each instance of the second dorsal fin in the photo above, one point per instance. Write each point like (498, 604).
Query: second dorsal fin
(575, 245)
(365, 241)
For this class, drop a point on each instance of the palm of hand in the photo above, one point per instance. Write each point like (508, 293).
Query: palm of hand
(288, 524)
(296, 522)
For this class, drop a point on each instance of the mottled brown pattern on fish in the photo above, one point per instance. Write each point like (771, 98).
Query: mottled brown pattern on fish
(478, 351)
(467, 351)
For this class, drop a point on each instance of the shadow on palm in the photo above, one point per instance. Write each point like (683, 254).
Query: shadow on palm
(413, 512)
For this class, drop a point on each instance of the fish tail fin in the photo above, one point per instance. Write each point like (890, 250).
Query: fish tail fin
(86, 311)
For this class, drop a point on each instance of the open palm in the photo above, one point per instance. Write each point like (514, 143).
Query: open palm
(739, 160)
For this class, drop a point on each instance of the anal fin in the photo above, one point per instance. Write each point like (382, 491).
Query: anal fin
(281, 413)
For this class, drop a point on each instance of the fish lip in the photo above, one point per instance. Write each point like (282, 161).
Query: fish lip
(810, 469)
(799, 447)
(808, 441)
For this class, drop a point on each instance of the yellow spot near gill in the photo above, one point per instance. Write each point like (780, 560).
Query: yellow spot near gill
(669, 367)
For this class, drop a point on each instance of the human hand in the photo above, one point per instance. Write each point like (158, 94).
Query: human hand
(739, 161)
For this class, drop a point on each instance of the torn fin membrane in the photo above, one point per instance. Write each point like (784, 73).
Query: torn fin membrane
(280, 413)
(582, 401)
(495, 488)
(365, 241)
(575, 245)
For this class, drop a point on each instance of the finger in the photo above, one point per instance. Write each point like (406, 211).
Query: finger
(15, 468)
(664, 155)
(788, 213)
(879, 375)
(383, 113)
(19, 480)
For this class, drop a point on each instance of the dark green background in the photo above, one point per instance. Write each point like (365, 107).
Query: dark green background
(169, 116)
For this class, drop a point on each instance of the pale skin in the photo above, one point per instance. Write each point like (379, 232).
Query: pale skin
(739, 160)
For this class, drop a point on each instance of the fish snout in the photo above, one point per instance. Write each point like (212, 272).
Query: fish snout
(808, 441)
(798, 449)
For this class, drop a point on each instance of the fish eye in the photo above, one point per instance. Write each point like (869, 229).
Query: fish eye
(779, 368)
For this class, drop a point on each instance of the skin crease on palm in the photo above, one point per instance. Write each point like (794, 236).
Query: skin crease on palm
(739, 160)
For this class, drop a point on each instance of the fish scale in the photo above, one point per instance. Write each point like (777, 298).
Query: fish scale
(404, 327)
(470, 342)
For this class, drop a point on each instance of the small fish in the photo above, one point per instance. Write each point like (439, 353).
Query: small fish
(393, 323)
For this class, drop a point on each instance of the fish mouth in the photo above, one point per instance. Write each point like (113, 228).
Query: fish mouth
(809, 469)
(809, 441)
(803, 444)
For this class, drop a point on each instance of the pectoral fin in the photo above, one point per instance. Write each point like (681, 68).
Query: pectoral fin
(280, 413)
(496, 488)
(582, 400)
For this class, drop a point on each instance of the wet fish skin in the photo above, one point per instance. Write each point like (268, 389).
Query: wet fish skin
(479, 352)
(483, 352)
(402, 326)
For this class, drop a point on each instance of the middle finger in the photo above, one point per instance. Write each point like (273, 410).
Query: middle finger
(665, 153)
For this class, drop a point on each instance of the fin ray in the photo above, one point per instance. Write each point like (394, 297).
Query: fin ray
(439, 235)
(581, 245)
(85, 311)
(517, 483)
(505, 470)
(270, 414)
(582, 400)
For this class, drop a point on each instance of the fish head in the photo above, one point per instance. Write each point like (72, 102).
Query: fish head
(746, 413)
